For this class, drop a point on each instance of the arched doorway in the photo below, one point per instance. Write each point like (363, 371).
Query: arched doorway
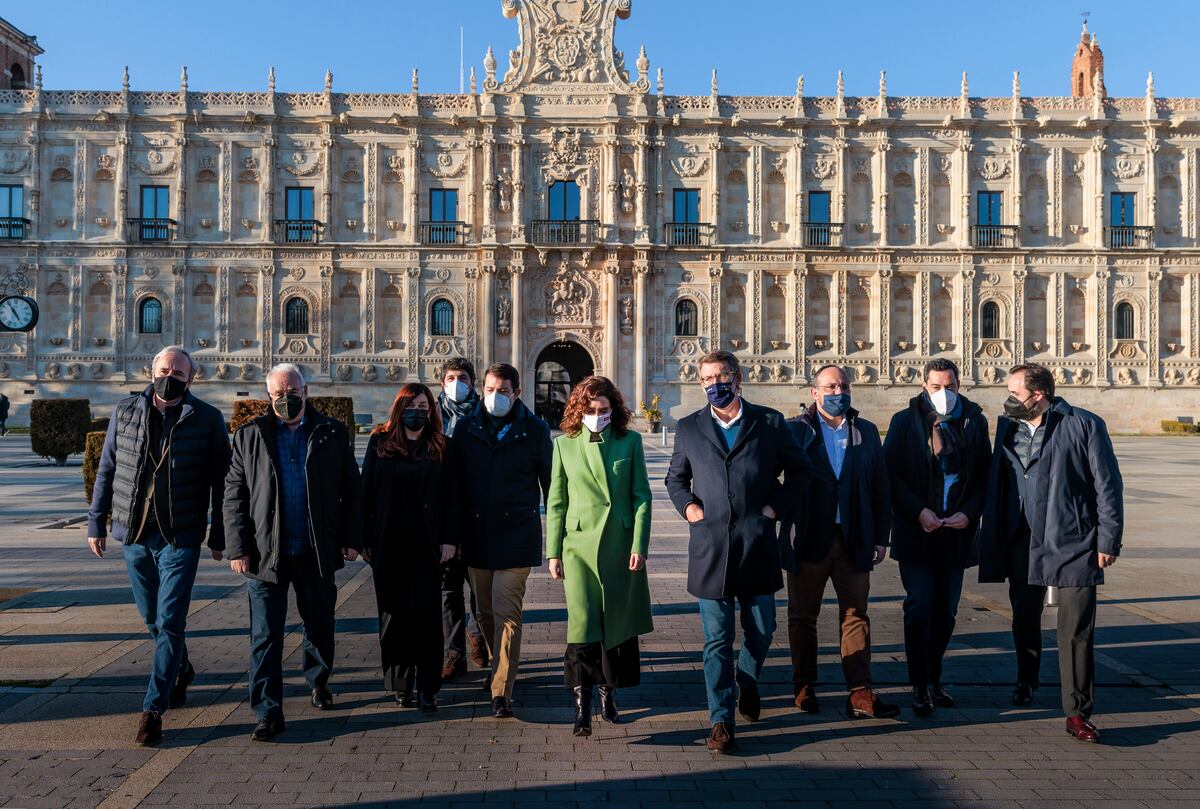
(559, 368)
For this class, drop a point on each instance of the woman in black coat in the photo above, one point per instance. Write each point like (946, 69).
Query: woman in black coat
(410, 533)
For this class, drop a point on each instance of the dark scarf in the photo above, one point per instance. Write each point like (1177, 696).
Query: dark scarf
(493, 424)
(453, 411)
(944, 435)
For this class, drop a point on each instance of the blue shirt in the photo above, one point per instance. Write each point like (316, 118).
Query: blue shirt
(836, 439)
(729, 429)
(292, 446)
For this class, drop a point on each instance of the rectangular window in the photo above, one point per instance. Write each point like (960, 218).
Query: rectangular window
(298, 204)
(818, 207)
(12, 201)
(156, 202)
(1121, 213)
(564, 201)
(687, 205)
(987, 211)
(443, 205)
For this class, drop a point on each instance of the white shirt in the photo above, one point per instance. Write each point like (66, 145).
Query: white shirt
(725, 425)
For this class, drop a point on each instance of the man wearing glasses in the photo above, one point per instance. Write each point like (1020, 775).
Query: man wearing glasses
(724, 479)
(841, 536)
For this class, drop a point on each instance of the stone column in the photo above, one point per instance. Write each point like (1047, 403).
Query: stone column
(921, 183)
(35, 181)
(800, 301)
(967, 340)
(266, 203)
(962, 180)
(611, 185)
(181, 174)
(225, 194)
(838, 313)
(327, 175)
(840, 145)
(641, 269)
(120, 303)
(1015, 218)
(1151, 186)
(1054, 192)
(660, 149)
(515, 272)
(881, 191)
(472, 158)
(612, 324)
(796, 186)
(412, 185)
(1153, 339)
(122, 212)
(371, 178)
(714, 147)
(489, 191)
(1060, 329)
(519, 214)
(1097, 185)
(754, 185)
(1103, 294)
(1018, 313)
(641, 233)
(367, 288)
(883, 285)
(754, 298)
(267, 294)
(487, 328)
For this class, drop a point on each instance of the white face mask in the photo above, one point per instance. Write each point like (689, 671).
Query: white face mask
(943, 401)
(497, 404)
(597, 423)
(456, 391)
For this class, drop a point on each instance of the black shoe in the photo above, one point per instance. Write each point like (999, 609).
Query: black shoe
(608, 705)
(322, 700)
(1022, 695)
(149, 732)
(267, 729)
(922, 703)
(501, 708)
(940, 696)
(749, 702)
(406, 698)
(179, 691)
(427, 703)
(583, 710)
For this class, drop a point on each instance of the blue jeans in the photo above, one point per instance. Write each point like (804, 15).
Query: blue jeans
(758, 626)
(162, 576)
(316, 599)
(930, 610)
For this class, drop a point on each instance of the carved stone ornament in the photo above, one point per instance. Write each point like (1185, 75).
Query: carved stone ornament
(246, 373)
(223, 371)
(1126, 168)
(993, 168)
(823, 167)
(1173, 377)
(691, 163)
(370, 374)
(393, 373)
(445, 168)
(569, 297)
(687, 373)
(568, 42)
(991, 375)
(503, 316)
(344, 373)
(564, 156)
(302, 165)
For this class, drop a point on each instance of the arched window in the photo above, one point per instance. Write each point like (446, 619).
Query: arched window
(989, 321)
(443, 318)
(150, 316)
(685, 318)
(295, 316)
(1123, 328)
(18, 77)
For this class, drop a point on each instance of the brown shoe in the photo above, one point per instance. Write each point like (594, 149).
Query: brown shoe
(806, 700)
(149, 732)
(477, 650)
(721, 738)
(862, 703)
(453, 667)
(1082, 729)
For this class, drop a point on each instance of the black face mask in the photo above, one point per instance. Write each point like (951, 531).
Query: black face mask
(1014, 408)
(416, 420)
(288, 406)
(169, 388)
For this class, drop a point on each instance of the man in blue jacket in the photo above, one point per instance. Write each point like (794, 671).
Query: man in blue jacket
(161, 475)
(1054, 518)
(724, 480)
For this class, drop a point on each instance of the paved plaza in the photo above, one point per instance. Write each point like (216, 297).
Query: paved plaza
(74, 659)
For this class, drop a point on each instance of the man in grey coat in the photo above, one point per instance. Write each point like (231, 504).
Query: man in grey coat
(1054, 518)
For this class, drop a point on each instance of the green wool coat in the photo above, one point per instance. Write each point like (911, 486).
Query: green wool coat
(597, 514)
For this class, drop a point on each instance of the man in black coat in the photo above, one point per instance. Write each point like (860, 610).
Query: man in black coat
(724, 480)
(937, 455)
(293, 513)
(503, 455)
(841, 536)
(1054, 517)
(161, 473)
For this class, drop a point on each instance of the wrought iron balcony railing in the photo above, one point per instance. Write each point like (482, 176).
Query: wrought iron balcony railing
(821, 234)
(564, 231)
(150, 230)
(445, 232)
(13, 228)
(689, 234)
(1129, 237)
(993, 236)
(298, 231)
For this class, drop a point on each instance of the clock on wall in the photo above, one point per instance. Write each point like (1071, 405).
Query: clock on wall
(18, 313)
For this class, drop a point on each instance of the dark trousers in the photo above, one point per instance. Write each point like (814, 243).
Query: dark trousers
(1076, 641)
(457, 622)
(931, 600)
(806, 589)
(316, 599)
(589, 664)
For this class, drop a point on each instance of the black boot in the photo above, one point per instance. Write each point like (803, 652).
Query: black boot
(583, 711)
(608, 705)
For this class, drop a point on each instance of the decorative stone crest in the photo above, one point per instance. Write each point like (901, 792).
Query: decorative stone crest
(823, 167)
(691, 163)
(993, 168)
(1126, 168)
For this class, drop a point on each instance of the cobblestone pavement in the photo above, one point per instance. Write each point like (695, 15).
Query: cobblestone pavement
(73, 661)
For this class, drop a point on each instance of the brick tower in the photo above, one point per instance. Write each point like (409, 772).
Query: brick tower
(18, 51)
(1087, 68)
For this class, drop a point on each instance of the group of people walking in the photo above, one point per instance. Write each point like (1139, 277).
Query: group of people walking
(450, 494)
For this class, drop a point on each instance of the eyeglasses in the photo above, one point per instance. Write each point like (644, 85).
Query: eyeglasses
(724, 376)
(834, 388)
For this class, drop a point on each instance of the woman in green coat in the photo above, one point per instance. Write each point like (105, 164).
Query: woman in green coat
(597, 533)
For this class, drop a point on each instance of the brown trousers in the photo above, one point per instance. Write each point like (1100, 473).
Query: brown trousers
(805, 591)
(499, 595)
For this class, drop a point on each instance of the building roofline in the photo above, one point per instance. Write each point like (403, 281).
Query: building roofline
(29, 40)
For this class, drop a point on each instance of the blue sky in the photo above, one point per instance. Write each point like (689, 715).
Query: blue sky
(758, 46)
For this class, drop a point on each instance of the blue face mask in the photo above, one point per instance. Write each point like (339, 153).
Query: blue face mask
(720, 394)
(836, 404)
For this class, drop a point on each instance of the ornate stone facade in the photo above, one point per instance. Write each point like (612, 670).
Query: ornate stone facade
(900, 270)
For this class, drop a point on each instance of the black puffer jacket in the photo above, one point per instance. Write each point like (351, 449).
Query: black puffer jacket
(199, 459)
(252, 505)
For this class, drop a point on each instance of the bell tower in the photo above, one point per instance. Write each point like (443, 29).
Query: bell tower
(18, 51)
(1087, 68)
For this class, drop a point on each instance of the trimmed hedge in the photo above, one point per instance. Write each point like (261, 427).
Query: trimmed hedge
(58, 428)
(100, 425)
(336, 407)
(93, 446)
(1169, 426)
